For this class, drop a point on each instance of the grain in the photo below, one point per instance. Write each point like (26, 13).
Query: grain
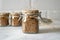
(30, 23)
(4, 19)
(15, 19)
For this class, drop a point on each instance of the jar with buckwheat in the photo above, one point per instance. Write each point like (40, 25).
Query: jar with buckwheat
(16, 19)
(30, 22)
(4, 18)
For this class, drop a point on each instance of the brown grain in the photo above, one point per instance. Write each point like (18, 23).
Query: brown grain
(4, 19)
(31, 23)
(15, 19)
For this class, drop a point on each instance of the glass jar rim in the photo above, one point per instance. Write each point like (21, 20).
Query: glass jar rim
(30, 11)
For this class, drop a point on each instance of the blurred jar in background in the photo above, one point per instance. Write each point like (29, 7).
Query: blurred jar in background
(16, 19)
(4, 18)
(30, 21)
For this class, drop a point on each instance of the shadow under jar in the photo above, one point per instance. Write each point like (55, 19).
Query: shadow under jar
(4, 19)
(30, 21)
(16, 19)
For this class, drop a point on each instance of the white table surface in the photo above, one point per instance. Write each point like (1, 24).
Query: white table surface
(15, 33)
(50, 32)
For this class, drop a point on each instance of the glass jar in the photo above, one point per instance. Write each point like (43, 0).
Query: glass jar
(4, 18)
(16, 19)
(30, 21)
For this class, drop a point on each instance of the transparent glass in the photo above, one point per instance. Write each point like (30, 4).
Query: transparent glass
(4, 19)
(30, 22)
(16, 20)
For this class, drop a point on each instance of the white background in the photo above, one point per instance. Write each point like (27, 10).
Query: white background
(51, 6)
(36, 4)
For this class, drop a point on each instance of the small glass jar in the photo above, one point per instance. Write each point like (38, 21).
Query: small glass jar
(4, 19)
(30, 21)
(16, 19)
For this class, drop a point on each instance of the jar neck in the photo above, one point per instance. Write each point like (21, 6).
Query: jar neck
(15, 16)
(3, 16)
(30, 14)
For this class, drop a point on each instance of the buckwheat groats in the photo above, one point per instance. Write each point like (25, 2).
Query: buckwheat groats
(30, 21)
(16, 19)
(4, 19)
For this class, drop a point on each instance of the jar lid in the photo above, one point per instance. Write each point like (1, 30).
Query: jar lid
(4, 13)
(30, 11)
(15, 13)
